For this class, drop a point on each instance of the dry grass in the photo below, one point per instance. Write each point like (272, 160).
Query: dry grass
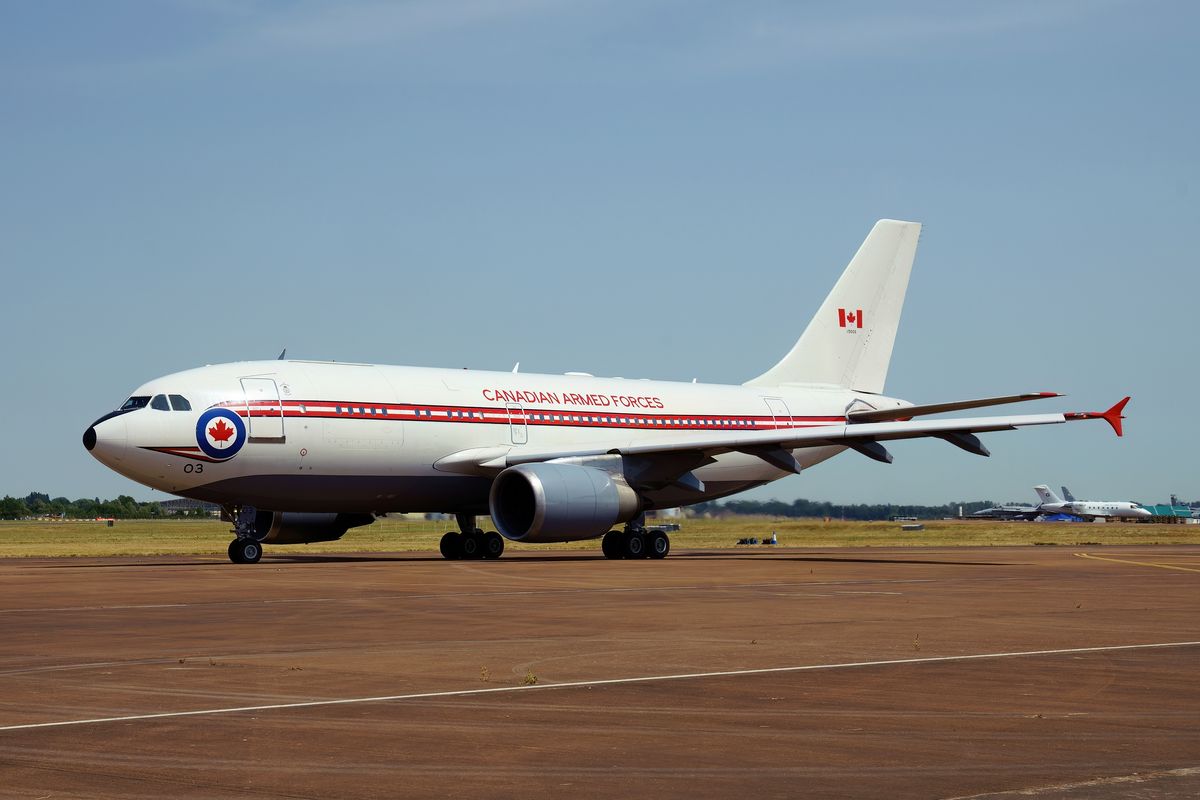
(200, 537)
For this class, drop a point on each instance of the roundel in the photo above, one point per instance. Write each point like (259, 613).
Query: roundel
(220, 433)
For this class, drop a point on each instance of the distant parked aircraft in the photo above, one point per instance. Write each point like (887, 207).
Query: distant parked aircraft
(1008, 511)
(1088, 509)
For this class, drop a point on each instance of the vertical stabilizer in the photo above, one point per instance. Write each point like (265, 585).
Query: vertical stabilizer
(1067, 494)
(1047, 496)
(849, 342)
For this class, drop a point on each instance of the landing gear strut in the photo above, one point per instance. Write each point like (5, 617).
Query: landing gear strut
(245, 549)
(636, 542)
(470, 542)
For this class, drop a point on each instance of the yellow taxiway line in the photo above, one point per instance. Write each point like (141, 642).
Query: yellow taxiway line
(1136, 563)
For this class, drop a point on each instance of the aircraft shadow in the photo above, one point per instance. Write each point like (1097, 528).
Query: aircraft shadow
(323, 558)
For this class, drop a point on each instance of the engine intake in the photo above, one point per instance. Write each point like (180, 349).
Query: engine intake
(559, 502)
(295, 527)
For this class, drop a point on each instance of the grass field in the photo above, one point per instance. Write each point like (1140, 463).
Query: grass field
(199, 537)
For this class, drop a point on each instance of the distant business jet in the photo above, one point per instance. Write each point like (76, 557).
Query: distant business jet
(302, 451)
(1088, 509)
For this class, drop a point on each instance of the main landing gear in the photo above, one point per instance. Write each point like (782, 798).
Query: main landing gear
(636, 542)
(471, 542)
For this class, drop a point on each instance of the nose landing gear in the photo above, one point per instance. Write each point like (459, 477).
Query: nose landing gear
(245, 549)
(471, 542)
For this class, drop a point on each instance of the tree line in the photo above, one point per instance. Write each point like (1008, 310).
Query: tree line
(39, 504)
(823, 508)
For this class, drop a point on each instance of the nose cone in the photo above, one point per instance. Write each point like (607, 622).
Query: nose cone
(107, 439)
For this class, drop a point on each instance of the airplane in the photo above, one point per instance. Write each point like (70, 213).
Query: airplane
(1011, 511)
(1088, 509)
(302, 451)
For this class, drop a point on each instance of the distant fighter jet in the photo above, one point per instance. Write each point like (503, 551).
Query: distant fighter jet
(1011, 511)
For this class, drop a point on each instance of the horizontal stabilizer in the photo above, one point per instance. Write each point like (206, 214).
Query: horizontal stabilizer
(908, 412)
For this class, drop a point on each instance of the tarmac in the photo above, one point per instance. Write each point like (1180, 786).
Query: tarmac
(1048, 672)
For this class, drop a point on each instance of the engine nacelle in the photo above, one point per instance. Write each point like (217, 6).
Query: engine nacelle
(296, 527)
(559, 502)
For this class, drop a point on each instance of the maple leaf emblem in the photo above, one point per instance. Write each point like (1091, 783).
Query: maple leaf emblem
(221, 431)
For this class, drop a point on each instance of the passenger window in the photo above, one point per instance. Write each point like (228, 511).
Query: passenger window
(180, 403)
(159, 403)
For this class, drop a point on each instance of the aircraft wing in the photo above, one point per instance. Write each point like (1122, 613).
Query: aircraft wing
(669, 459)
(908, 412)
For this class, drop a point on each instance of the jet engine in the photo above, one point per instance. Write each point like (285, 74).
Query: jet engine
(559, 502)
(293, 527)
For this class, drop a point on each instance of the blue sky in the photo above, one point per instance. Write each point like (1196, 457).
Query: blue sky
(656, 189)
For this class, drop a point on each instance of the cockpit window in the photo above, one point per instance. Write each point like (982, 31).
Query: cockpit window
(180, 403)
(159, 403)
(135, 403)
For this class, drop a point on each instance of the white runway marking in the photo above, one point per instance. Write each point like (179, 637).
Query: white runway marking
(605, 682)
(452, 595)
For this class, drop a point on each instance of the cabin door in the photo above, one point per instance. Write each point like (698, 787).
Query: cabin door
(264, 412)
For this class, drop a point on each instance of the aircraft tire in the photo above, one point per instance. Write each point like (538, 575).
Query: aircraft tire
(472, 546)
(451, 546)
(612, 545)
(234, 553)
(635, 545)
(493, 545)
(658, 544)
(248, 551)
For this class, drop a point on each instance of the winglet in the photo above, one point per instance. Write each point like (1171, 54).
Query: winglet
(1113, 416)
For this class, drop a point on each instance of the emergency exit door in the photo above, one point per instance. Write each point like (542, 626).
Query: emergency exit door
(779, 411)
(517, 426)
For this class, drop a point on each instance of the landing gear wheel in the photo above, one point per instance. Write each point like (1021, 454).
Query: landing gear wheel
(472, 545)
(612, 545)
(493, 545)
(635, 545)
(245, 551)
(657, 544)
(450, 546)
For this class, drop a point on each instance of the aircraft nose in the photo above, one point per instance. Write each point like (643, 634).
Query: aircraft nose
(106, 439)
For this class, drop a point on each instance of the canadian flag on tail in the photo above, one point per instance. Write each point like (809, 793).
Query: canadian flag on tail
(851, 320)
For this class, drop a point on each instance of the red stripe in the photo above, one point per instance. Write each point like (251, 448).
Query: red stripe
(500, 415)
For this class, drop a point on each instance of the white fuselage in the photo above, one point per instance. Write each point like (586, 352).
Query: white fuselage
(319, 436)
(1097, 509)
